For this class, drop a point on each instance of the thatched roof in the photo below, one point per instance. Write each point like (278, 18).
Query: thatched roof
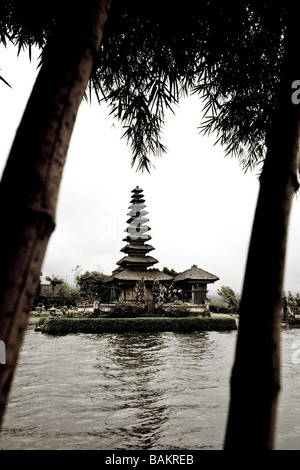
(196, 274)
(137, 248)
(137, 260)
(147, 275)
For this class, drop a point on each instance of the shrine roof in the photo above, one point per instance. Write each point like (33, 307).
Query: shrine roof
(135, 275)
(195, 274)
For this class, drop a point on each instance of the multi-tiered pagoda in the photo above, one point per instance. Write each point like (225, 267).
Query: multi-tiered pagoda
(134, 266)
(136, 238)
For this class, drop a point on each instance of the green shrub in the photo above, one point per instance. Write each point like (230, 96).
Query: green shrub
(178, 313)
(62, 326)
(42, 320)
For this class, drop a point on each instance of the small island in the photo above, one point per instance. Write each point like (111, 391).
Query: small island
(145, 299)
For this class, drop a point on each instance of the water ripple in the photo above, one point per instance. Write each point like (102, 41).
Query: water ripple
(131, 391)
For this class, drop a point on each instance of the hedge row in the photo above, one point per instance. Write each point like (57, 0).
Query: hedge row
(63, 326)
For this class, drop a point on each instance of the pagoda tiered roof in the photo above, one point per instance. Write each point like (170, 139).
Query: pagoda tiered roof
(136, 249)
(147, 275)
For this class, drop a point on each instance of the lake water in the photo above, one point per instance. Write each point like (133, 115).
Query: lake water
(134, 391)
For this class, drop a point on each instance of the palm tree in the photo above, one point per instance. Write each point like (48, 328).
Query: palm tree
(31, 179)
(239, 59)
(54, 282)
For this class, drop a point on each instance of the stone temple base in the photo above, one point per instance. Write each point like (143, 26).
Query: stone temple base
(190, 309)
(168, 309)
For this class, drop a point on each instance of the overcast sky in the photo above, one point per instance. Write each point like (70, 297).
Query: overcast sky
(201, 205)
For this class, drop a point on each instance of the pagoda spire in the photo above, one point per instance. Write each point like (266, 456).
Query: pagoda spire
(136, 249)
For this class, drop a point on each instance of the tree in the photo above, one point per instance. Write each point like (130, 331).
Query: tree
(140, 294)
(31, 179)
(171, 291)
(65, 296)
(170, 272)
(229, 297)
(91, 285)
(240, 59)
(290, 304)
(158, 294)
(54, 282)
(61, 294)
(278, 184)
(77, 273)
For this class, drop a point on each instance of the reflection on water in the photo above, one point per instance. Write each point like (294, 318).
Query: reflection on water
(132, 391)
(138, 391)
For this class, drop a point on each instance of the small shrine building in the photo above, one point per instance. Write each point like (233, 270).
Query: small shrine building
(193, 283)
